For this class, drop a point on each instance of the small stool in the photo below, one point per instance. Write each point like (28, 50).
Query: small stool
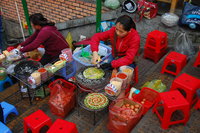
(36, 121)
(171, 102)
(156, 40)
(197, 61)
(179, 60)
(153, 55)
(62, 126)
(8, 109)
(2, 82)
(187, 85)
(4, 128)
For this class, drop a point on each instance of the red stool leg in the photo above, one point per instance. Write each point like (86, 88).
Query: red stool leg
(197, 105)
(164, 67)
(25, 128)
(166, 119)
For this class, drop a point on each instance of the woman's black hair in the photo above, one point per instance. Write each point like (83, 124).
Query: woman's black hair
(39, 19)
(127, 22)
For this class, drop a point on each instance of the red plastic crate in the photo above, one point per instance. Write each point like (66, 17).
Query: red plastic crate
(149, 94)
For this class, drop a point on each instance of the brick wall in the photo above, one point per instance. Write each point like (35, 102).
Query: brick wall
(54, 10)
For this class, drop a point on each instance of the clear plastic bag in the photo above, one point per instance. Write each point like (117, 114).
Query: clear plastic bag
(155, 85)
(169, 19)
(113, 4)
(183, 44)
(62, 100)
(14, 55)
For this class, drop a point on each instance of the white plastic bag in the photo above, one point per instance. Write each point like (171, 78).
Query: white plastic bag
(183, 45)
(113, 4)
(169, 19)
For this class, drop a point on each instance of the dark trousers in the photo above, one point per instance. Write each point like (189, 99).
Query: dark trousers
(47, 58)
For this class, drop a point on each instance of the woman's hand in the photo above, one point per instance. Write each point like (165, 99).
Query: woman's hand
(19, 47)
(95, 57)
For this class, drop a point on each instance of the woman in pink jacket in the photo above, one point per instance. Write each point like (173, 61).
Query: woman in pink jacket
(125, 42)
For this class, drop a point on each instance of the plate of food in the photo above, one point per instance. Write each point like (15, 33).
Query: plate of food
(96, 101)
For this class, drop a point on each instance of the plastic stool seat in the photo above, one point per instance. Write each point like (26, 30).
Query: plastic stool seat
(2, 82)
(8, 109)
(171, 102)
(188, 84)
(177, 59)
(36, 121)
(4, 128)
(62, 126)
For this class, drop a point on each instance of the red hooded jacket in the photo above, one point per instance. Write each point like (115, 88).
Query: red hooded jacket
(50, 37)
(126, 47)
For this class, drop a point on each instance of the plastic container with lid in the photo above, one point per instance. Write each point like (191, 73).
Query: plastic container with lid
(124, 78)
(114, 87)
(44, 74)
(67, 52)
(129, 71)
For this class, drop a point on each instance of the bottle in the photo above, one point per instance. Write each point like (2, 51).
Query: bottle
(133, 92)
(114, 73)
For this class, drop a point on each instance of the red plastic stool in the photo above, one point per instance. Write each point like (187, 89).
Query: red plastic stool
(62, 126)
(175, 58)
(171, 101)
(156, 40)
(153, 55)
(187, 85)
(197, 61)
(36, 121)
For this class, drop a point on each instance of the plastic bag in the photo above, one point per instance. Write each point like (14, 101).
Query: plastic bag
(155, 85)
(124, 114)
(169, 19)
(62, 100)
(14, 55)
(113, 4)
(183, 44)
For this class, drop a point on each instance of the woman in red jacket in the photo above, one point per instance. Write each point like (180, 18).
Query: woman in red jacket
(125, 42)
(47, 35)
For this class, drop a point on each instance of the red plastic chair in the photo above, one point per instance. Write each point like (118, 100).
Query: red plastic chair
(179, 60)
(156, 40)
(36, 121)
(187, 85)
(62, 126)
(171, 101)
(197, 61)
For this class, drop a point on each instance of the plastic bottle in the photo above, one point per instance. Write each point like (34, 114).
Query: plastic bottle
(133, 92)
